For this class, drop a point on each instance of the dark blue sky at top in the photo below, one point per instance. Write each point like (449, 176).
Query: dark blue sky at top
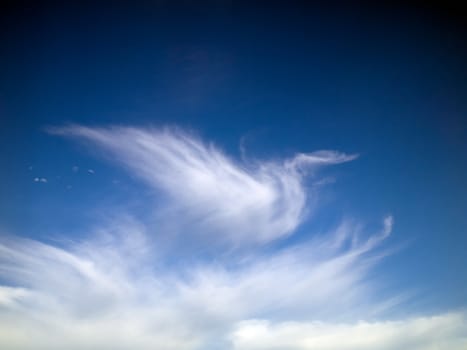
(386, 82)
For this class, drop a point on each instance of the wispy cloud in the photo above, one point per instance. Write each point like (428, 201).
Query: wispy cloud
(120, 287)
(243, 202)
(113, 291)
(115, 287)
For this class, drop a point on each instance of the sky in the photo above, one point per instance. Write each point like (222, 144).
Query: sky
(233, 175)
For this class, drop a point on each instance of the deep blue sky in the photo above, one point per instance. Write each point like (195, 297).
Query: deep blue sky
(386, 82)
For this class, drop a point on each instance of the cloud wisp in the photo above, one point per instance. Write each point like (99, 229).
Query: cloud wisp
(117, 288)
(112, 291)
(244, 203)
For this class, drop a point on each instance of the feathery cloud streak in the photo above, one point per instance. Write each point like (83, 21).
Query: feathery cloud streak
(108, 292)
(115, 289)
(256, 203)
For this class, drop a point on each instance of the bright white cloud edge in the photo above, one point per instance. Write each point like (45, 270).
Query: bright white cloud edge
(447, 331)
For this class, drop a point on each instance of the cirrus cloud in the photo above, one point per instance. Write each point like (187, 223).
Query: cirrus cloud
(118, 287)
(245, 202)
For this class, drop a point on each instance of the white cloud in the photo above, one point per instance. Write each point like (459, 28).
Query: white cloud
(115, 291)
(122, 287)
(246, 202)
(9, 295)
(447, 331)
(40, 179)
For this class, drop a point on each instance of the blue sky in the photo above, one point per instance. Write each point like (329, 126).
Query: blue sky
(167, 161)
